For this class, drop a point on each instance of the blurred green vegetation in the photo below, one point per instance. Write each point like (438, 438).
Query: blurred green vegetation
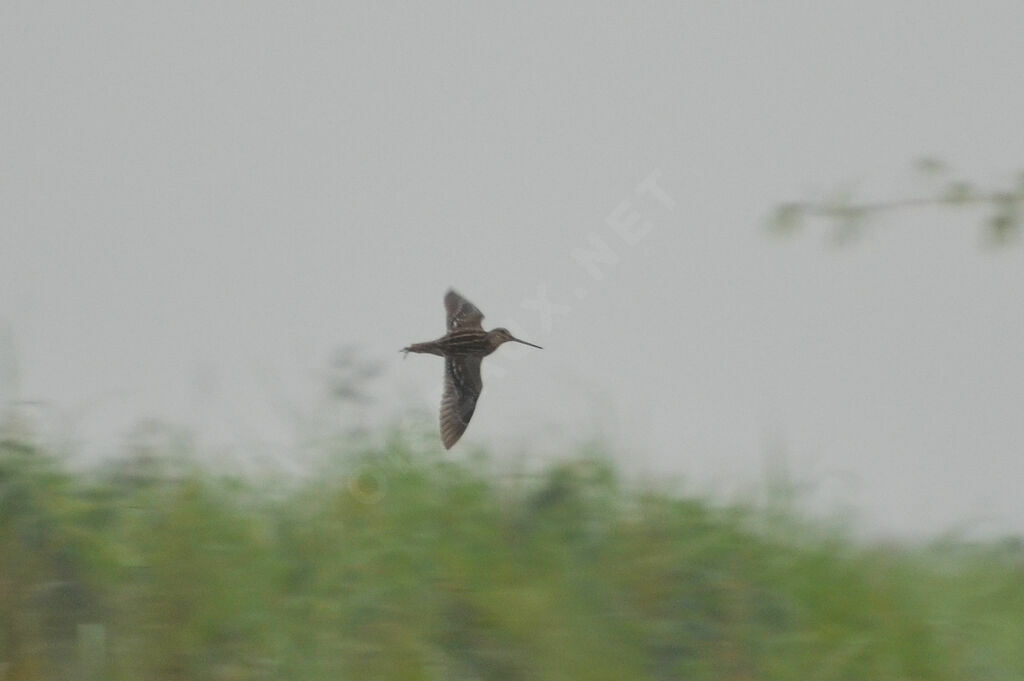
(1002, 207)
(398, 563)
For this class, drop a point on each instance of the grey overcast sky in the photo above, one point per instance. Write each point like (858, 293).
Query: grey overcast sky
(200, 201)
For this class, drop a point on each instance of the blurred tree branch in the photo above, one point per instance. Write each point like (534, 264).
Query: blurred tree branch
(350, 375)
(1004, 207)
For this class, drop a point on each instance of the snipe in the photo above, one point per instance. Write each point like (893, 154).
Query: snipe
(463, 348)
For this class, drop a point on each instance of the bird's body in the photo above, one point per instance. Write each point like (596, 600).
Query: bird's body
(463, 348)
(460, 342)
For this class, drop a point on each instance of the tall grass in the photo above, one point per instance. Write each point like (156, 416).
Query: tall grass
(399, 564)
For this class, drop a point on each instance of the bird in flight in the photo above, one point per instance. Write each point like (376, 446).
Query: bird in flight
(463, 347)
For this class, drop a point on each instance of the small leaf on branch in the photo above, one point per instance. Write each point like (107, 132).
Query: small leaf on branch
(787, 218)
(958, 192)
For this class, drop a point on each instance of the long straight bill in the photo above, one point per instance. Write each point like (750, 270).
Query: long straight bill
(525, 343)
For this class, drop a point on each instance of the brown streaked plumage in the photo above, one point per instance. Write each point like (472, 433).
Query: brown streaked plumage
(463, 348)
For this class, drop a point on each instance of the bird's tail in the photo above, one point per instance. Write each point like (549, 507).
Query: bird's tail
(429, 347)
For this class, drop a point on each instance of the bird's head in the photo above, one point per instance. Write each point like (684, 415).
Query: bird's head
(502, 335)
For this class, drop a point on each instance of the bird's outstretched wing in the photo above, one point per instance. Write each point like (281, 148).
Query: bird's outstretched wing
(462, 386)
(462, 314)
